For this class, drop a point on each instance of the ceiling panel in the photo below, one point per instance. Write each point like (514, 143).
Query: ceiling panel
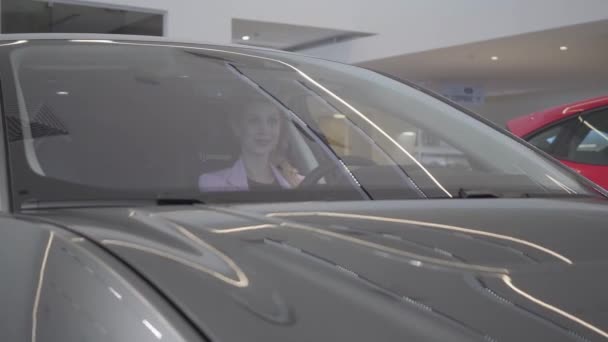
(286, 36)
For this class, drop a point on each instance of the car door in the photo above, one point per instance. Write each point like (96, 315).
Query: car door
(586, 149)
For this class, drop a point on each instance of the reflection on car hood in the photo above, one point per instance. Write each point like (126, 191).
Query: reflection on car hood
(508, 270)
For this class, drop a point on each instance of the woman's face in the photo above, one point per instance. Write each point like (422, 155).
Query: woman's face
(259, 131)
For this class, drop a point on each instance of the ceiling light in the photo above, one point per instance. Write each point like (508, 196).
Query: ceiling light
(494, 58)
(563, 48)
(63, 93)
(339, 116)
(245, 37)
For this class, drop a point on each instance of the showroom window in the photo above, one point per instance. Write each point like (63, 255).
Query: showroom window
(590, 143)
(39, 16)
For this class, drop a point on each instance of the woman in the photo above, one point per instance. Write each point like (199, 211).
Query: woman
(261, 130)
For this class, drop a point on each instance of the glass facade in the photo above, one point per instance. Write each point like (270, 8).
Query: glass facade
(35, 16)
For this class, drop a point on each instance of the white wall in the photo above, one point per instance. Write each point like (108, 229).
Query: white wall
(403, 26)
(501, 109)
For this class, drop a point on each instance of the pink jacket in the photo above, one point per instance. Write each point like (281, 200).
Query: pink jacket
(233, 179)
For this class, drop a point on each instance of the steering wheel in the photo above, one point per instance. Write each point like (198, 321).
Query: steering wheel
(314, 176)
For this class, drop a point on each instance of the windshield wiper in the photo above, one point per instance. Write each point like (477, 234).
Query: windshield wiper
(474, 193)
(178, 201)
(62, 204)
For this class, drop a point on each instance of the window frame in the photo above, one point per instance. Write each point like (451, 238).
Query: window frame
(576, 128)
(5, 190)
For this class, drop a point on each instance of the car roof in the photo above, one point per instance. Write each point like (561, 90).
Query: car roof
(529, 123)
(123, 37)
(43, 36)
(142, 38)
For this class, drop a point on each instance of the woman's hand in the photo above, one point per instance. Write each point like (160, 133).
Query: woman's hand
(290, 173)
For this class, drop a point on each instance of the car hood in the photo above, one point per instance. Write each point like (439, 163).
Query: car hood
(497, 269)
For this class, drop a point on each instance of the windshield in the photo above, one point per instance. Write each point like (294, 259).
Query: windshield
(127, 120)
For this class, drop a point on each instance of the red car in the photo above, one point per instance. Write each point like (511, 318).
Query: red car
(576, 134)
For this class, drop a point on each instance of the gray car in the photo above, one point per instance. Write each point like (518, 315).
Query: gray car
(167, 191)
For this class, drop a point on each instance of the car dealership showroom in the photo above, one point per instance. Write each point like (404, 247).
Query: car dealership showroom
(289, 170)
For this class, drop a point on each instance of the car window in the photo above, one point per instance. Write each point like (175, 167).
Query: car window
(414, 150)
(427, 148)
(547, 139)
(590, 142)
(131, 120)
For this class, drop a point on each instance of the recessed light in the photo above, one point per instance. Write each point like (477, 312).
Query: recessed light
(339, 116)
(63, 93)
(494, 58)
(563, 48)
(245, 37)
